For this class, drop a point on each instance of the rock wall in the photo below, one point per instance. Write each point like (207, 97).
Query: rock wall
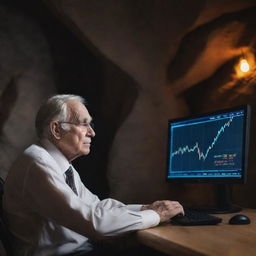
(176, 54)
(25, 80)
(159, 60)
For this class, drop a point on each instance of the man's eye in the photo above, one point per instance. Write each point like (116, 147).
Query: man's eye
(86, 124)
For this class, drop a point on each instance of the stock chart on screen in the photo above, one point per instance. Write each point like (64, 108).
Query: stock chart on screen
(207, 146)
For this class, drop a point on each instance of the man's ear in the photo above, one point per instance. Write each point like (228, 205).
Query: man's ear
(55, 129)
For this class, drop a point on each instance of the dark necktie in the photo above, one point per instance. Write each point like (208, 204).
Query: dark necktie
(70, 179)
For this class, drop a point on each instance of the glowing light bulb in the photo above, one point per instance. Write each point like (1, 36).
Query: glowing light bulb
(244, 65)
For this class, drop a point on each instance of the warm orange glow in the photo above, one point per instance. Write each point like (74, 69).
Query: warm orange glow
(244, 65)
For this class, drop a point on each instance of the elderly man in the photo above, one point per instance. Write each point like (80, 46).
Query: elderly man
(48, 209)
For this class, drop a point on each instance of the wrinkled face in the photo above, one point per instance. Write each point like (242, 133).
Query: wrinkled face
(77, 140)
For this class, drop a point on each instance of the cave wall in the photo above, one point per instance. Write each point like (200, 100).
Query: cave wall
(152, 61)
(179, 56)
(25, 80)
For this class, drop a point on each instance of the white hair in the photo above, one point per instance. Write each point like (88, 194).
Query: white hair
(55, 108)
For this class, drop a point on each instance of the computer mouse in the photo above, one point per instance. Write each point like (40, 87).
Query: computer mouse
(239, 219)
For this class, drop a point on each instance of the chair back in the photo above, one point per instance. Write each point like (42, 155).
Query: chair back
(5, 235)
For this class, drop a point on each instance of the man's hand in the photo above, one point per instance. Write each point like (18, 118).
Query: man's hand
(165, 208)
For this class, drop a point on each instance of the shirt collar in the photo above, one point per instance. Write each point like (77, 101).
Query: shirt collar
(56, 154)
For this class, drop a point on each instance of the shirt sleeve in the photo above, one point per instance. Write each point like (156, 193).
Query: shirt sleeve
(47, 194)
(134, 207)
(112, 217)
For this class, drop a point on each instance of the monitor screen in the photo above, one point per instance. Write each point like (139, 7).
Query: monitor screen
(210, 147)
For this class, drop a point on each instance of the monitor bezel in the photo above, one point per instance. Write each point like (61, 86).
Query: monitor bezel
(247, 123)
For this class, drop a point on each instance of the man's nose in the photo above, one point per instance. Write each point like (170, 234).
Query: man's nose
(91, 132)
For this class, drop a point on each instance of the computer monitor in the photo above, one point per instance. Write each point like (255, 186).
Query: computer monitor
(213, 148)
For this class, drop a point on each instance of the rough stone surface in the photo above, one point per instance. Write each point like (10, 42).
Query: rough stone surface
(163, 59)
(25, 80)
(171, 49)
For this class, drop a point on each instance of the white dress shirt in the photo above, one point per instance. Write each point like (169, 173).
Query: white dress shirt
(47, 218)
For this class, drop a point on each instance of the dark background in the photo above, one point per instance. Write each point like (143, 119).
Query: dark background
(76, 71)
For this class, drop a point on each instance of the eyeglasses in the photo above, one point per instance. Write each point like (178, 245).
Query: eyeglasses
(84, 125)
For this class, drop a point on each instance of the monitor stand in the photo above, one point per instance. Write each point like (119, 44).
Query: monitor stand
(223, 193)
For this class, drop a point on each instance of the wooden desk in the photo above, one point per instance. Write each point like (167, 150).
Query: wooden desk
(217, 240)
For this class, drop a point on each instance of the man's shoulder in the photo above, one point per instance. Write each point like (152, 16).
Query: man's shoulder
(36, 153)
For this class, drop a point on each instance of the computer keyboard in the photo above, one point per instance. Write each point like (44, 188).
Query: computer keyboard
(193, 218)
